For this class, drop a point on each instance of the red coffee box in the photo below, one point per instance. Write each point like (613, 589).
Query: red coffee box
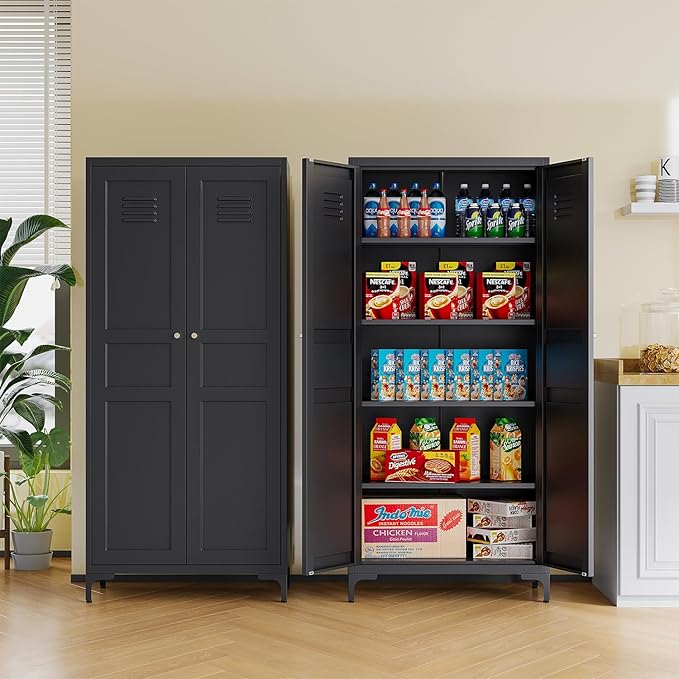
(407, 297)
(416, 466)
(381, 295)
(438, 295)
(465, 286)
(413, 529)
(522, 299)
(495, 294)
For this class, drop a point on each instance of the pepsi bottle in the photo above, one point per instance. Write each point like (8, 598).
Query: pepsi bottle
(437, 203)
(393, 200)
(414, 199)
(484, 199)
(370, 203)
(462, 202)
(527, 203)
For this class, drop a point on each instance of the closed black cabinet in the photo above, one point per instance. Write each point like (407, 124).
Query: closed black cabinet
(187, 367)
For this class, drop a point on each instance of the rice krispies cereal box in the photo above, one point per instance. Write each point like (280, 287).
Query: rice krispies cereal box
(501, 507)
(496, 536)
(382, 375)
(432, 375)
(516, 551)
(413, 529)
(494, 521)
(511, 375)
(407, 291)
(482, 374)
(465, 286)
(408, 372)
(458, 368)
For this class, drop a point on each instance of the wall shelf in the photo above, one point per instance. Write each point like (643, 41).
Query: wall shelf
(651, 209)
(459, 488)
(459, 321)
(441, 242)
(448, 404)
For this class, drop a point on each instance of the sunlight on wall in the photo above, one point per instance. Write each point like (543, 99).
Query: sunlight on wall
(673, 127)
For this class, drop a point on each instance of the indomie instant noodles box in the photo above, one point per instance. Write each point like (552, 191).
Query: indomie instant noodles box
(413, 529)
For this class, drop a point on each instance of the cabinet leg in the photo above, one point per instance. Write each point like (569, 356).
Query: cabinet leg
(102, 584)
(534, 584)
(353, 579)
(544, 578)
(88, 592)
(281, 579)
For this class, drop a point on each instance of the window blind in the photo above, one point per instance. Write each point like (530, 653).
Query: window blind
(35, 121)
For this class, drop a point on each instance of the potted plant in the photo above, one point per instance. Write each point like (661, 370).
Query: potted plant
(24, 391)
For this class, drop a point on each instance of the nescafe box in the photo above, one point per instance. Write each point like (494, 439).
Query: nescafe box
(522, 297)
(465, 286)
(381, 295)
(407, 291)
(438, 295)
(496, 292)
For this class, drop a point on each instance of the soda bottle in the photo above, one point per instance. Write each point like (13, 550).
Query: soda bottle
(414, 197)
(383, 216)
(506, 198)
(393, 195)
(424, 217)
(437, 203)
(403, 216)
(370, 203)
(473, 223)
(462, 201)
(495, 222)
(516, 222)
(527, 202)
(485, 199)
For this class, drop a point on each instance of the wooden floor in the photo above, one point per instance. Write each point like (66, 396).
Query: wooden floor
(187, 631)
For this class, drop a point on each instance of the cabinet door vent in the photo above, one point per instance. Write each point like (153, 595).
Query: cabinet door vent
(333, 205)
(234, 209)
(563, 205)
(139, 209)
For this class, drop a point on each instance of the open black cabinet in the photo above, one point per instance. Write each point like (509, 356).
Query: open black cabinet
(556, 421)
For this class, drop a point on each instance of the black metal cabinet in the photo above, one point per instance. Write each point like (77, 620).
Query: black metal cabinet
(338, 413)
(187, 368)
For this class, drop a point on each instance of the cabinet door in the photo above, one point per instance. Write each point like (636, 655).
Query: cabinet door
(237, 369)
(328, 366)
(135, 366)
(568, 366)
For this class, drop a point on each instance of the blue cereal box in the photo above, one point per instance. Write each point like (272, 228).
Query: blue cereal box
(511, 374)
(407, 374)
(432, 374)
(458, 384)
(482, 374)
(382, 375)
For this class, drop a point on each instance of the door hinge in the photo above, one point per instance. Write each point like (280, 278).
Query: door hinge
(310, 573)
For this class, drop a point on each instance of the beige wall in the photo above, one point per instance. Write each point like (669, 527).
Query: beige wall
(326, 80)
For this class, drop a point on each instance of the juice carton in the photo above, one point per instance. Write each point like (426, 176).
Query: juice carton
(432, 374)
(384, 437)
(407, 295)
(382, 375)
(425, 434)
(407, 374)
(511, 375)
(505, 450)
(482, 374)
(465, 441)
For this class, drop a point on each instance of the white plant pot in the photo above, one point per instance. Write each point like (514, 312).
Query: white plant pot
(32, 543)
(31, 562)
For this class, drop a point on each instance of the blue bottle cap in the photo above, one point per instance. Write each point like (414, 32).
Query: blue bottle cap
(416, 185)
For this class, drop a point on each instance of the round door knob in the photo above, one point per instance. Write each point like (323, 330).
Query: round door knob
(177, 335)
(194, 335)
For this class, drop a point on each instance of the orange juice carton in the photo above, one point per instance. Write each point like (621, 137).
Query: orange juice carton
(492, 521)
(384, 437)
(465, 286)
(517, 551)
(482, 374)
(382, 375)
(407, 291)
(413, 529)
(511, 375)
(458, 374)
(414, 466)
(505, 450)
(498, 536)
(508, 508)
(465, 441)
(425, 434)
(407, 374)
(432, 374)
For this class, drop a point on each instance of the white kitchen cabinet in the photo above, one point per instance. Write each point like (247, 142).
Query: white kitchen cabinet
(636, 498)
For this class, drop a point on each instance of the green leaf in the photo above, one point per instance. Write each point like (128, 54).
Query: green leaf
(62, 510)
(8, 336)
(19, 438)
(28, 231)
(42, 397)
(37, 501)
(40, 349)
(10, 358)
(31, 412)
(54, 446)
(5, 226)
(49, 376)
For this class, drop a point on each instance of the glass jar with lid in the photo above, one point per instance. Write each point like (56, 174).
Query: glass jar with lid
(659, 334)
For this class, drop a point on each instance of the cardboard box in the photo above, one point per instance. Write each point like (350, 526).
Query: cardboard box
(384, 437)
(505, 450)
(518, 551)
(493, 521)
(495, 536)
(458, 372)
(407, 291)
(382, 375)
(465, 441)
(501, 507)
(432, 374)
(381, 295)
(413, 529)
(415, 466)
(465, 286)
(438, 295)
(511, 375)
(408, 370)
(522, 296)
(482, 374)
(496, 295)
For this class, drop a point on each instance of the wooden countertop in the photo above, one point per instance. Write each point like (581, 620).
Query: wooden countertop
(625, 372)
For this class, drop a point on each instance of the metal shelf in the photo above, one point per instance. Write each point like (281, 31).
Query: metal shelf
(460, 322)
(467, 488)
(441, 242)
(448, 404)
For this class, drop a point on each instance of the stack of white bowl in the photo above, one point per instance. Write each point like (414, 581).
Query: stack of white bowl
(645, 188)
(668, 190)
